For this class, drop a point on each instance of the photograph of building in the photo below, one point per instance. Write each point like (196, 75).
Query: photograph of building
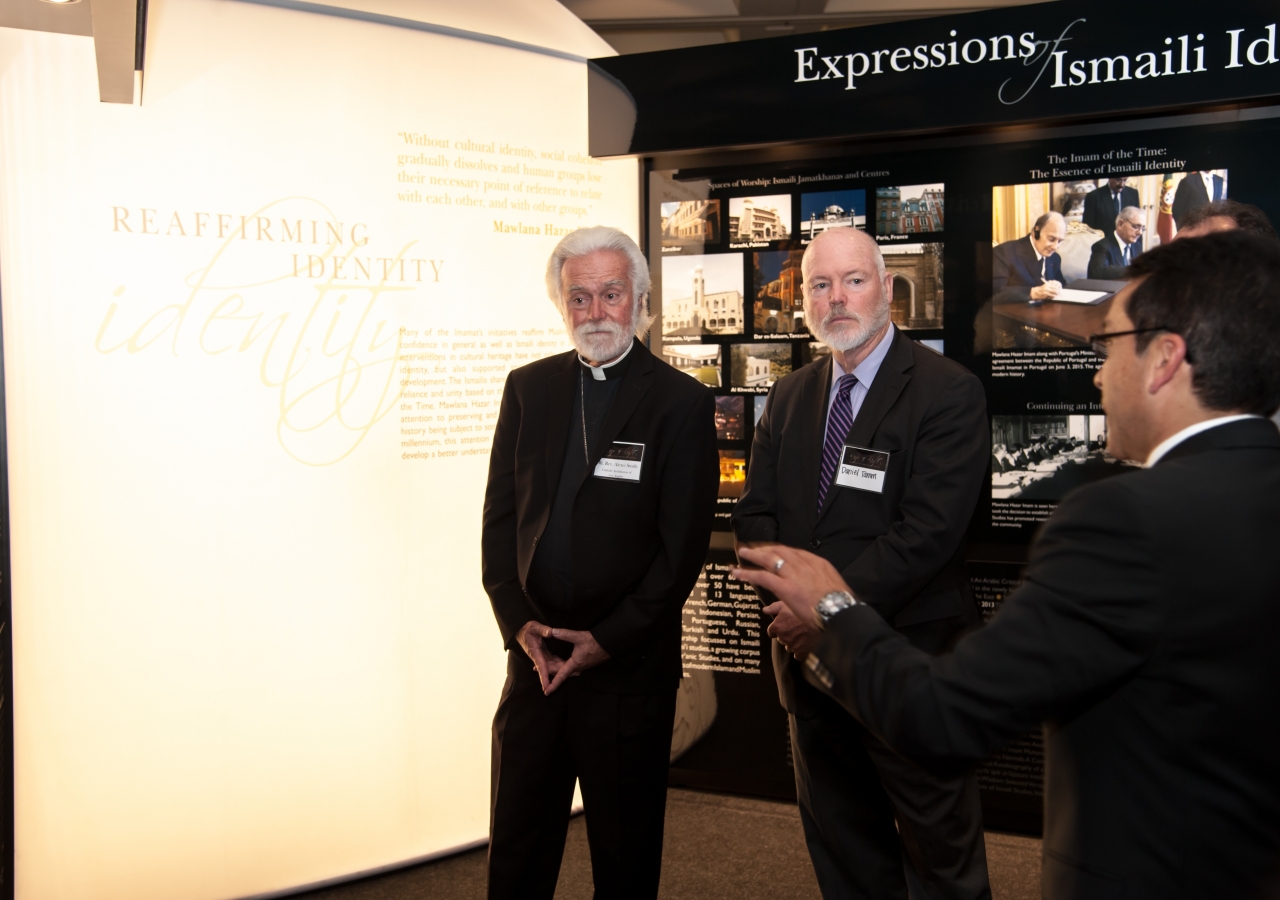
(702, 295)
(758, 365)
(832, 209)
(760, 218)
(690, 223)
(909, 209)
(779, 298)
(733, 472)
(731, 418)
(760, 401)
(917, 284)
(702, 361)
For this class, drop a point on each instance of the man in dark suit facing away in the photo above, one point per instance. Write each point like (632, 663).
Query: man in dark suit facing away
(1143, 634)
(913, 426)
(1102, 205)
(1030, 268)
(1111, 256)
(1195, 190)
(597, 517)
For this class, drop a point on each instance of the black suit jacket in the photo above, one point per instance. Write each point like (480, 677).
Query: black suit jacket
(902, 549)
(1015, 270)
(1144, 638)
(1191, 194)
(1100, 210)
(1107, 262)
(638, 547)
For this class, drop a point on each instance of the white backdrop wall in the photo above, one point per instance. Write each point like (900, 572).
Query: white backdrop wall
(253, 354)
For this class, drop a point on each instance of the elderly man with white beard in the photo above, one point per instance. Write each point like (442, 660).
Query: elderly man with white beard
(597, 518)
(872, 458)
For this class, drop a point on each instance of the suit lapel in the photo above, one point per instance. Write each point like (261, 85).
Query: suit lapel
(560, 388)
(635, 384)
(813, 413)
(884, 392)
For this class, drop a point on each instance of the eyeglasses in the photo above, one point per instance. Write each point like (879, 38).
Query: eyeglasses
(1098, 342)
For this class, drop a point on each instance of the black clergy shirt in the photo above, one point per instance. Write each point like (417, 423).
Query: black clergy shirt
(551, 573)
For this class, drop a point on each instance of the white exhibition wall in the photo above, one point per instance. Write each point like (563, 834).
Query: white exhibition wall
(255, 334)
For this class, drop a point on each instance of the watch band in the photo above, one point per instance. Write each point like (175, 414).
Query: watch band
(832, 603)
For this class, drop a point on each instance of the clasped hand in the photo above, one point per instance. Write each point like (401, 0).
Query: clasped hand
(552, 670)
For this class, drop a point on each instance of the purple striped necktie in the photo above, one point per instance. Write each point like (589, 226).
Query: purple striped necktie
(839, 421)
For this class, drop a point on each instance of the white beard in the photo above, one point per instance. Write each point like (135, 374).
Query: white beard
(845, 337)
(600, 341)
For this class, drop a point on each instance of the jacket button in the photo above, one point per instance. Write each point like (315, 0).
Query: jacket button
(535, 542)
(815, 543)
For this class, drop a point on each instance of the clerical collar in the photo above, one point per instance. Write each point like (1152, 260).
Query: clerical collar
(609, 370)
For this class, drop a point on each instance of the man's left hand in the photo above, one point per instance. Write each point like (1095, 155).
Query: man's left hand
(799, 638)
(587, 653)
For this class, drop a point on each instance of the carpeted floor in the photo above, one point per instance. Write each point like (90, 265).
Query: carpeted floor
(718, 847)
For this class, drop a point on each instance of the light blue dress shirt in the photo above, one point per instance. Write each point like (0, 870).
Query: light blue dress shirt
(866, 373)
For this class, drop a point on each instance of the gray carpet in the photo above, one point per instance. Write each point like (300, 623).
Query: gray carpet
(718, 847)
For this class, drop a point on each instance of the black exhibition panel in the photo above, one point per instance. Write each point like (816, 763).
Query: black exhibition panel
(750, 151)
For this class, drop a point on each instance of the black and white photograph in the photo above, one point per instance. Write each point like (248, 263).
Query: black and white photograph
(832, 209)
(758, 366)
(731, 418)
(690, 223)
(702, 294)
(700, 361)
(779, 294)
(1041, 458)
(760, 218)
(917, 284)
(910, 209)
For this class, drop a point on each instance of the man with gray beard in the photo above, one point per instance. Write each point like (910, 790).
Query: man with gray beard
(597, 517)
(873, 458)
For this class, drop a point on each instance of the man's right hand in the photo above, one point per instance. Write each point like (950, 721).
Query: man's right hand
(1046, 291)
(530, 638)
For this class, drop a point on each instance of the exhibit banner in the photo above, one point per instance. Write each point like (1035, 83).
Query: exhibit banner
(1058, 61)
(256, 331)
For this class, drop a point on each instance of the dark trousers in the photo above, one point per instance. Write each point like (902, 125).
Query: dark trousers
(617, 746)
(853, 789)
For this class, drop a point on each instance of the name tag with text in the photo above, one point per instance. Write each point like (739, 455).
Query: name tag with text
(862, 469)
(621, 462)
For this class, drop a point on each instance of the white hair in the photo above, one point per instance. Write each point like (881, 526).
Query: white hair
(1130, 214)
(585, 241)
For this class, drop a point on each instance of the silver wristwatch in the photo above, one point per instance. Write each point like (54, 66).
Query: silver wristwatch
(832, 603)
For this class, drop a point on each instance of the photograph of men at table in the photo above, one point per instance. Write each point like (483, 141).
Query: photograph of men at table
(1041, 458)
(1078, 236)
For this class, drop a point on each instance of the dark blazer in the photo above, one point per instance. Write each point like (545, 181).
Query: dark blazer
(1100, 210)
(1015, 270)
(638, 547)
(1191, 194)
(1107, 262)
(1144, 638)
(902, 549)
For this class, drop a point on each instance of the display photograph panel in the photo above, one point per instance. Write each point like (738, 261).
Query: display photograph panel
(701, 295)
(701, 361)
(779, 293)
(1060, 249)
(910, 209)
(832, 209)
(755, 367)
(733, 472)
(917, 284)
(756, 219)
(690, 224)
(731, 418)
(1041, 458)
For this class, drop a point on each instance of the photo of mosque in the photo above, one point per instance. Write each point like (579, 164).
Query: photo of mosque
(702, 295)
(690, 223)
(909, 209)
(760, 218)
(832, 209)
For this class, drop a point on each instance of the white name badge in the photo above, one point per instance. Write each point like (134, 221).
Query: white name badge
(862, 469)
(621, 462)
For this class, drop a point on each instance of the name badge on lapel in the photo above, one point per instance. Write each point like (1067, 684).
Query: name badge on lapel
(862, 469)
(621, 462)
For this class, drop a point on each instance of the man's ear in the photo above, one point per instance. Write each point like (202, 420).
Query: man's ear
(1166, 355)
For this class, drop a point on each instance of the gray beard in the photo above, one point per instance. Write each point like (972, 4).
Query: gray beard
(609, 341)
(844, 338)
